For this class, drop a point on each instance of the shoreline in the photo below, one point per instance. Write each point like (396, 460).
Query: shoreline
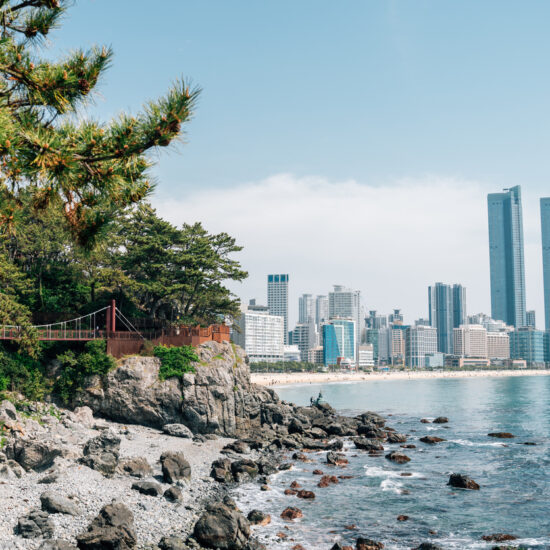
(295, 378)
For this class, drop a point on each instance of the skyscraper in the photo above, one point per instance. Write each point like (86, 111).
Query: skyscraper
(531, 318)
(321, 310)
(545, 224)
(447, 307)
(306, 312)
(339, 341)
(507, 257)
(344, 303)
(277, 299)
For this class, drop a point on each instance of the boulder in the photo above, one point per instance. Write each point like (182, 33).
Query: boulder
(428, 546)
(399, 458)
(84, 416)
(136, 467)
(336, 459)
(113, 528)
(366, 444)
(149, 488)
(57, 545)
(33, 454)
(177, 430)
(431, 439)
(8, 412)
(498, 537)
(244, 469)
(368, 544)
(257, 517)
(174, 467)
(54, 503)
(307, 495)
(101, 453)
(35, 524)
(173, 494)
(222, 527)
(394, 437)
(238, 447)
(325, 481)
(221, 470)
(291, 513)
(502, 435)
(462, 481)
(441, 420)
(172, 543)
(48, 479)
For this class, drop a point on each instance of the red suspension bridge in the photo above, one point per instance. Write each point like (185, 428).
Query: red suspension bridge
(102, 325)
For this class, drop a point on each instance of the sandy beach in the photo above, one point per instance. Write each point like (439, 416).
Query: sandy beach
(284, 379)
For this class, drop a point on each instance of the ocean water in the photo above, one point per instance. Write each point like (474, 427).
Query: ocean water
(515, 478)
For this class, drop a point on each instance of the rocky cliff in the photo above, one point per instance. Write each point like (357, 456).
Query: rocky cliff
(219, 398)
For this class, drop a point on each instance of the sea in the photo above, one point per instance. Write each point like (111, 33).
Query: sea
(514, 497)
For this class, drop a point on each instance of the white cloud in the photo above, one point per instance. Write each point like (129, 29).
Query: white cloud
(390, 241)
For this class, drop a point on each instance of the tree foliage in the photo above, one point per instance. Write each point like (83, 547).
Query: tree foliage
(85, 169)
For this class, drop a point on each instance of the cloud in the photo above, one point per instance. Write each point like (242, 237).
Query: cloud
(390, 241)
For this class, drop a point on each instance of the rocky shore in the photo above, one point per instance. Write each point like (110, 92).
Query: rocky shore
(140, 463)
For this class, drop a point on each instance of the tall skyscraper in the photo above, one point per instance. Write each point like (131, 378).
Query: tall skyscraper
(545, 224)
(447, 307)
(277, 299)
(345, 303)
(507, 257)
(339, 341)
(531, 318)
(321, 310)
(419, 342)
(306, 310)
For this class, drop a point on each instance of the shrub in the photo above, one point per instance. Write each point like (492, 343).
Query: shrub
(175, 361)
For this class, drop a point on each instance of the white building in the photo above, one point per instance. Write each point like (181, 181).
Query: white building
(391, 345)
(306, 309)
(498, 345)
(305, 337)
(470, 341)
(321, 311)
(291, 353)
(277, 299)
(419, 341)
(260, 335)
(365, 356)
(316, 355)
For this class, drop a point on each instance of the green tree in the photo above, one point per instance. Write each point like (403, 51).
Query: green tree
(85, 169)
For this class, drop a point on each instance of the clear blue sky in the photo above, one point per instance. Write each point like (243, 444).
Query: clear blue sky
(370, 91)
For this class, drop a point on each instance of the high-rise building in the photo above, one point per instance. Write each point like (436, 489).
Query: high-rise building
(260, 335)
(344, 303)
(391, 345)
(365, 359)
(507, 257)
(339, 341)
(374, 321)
(306, 309)
(420, 341)
(447, 307)
(321, 310)
(277, 299)
(470, 341)
(531, 318)
(498, 345)
(305, 337)
(528, 344)
(545, 224)
(396, 318)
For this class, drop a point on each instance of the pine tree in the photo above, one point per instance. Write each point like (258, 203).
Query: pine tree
(89, 170)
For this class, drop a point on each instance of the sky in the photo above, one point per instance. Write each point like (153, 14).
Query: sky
(347, 143)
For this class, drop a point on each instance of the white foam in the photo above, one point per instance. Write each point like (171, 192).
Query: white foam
(391, 485)
(468, 443)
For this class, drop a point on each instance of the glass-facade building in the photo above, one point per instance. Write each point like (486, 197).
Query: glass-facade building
(338, 341)
(277, 299)
(447, 307)
(529, 344)
(545, 225)
(507, 257)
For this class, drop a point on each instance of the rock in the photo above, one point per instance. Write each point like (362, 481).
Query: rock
(238, 447)
(49, 478)
(317, 472)
(84, 416)
(425, 421)
(177, 430)
(173, 494)
(221, 470)
(113, 529)
(394, 437)
(136, 467)
(257, 517)
(371, 431)
(441, 420)
(8, 412)
(325, 481)
(368, 444)
(291, 513)
(368, 544)
(431, 439)
(498, 537)
(35, 524)
(244, 469)
(402, 517)
(307, 495)
(267, 467)
(54, 503)
(462, 481)
(222, 527)
(101, 453)
(501, 435)
(295, 485)
(174, 467)
(57, 545)
(399, 458)
(370, 417)
(148, 488)
(33, 454)
(336, 459)
(428, 546)
(290, 492)
(172, 543)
